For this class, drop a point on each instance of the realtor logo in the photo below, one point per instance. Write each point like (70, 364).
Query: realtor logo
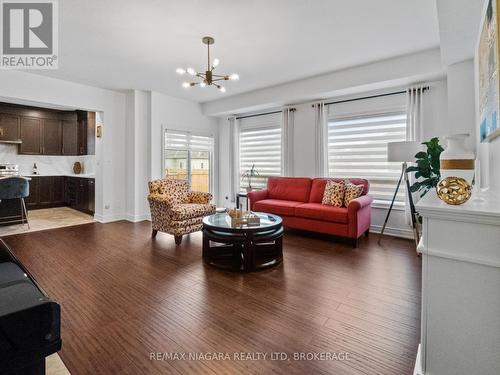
(29, 34)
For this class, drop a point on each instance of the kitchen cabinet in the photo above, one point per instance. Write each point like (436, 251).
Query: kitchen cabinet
(9, 127)
(31, 136)
(45, 192)
(70, 130)
(52, 137)
(48, 132)
(80, 194)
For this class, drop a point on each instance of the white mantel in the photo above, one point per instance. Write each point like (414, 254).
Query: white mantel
(460, 250)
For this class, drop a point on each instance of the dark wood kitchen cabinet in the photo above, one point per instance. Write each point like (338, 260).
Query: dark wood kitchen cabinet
(9, 127)
(45, 192)
(31, 136)
(52, 137)
(47, 131)
(70, 130)
(80, 194)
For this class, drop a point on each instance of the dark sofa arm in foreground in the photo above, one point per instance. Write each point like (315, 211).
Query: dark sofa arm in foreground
(30, 322)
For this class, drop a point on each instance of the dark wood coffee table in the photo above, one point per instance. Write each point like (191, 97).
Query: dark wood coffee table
(242, 248)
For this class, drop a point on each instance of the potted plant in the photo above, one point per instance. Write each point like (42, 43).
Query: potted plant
(427, 168)
(249, 174)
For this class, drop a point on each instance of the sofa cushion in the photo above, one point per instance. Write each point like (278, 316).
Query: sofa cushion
(318, 187)
(352, 192)
(334, 194)
(276, 206)
(322, 212)
(189, 210)
(292, 189)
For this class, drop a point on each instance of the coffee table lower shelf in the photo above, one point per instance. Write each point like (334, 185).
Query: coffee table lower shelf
(243, 251)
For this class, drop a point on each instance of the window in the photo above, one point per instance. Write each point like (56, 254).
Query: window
(357, 145)
(260, 146)
(189, 157)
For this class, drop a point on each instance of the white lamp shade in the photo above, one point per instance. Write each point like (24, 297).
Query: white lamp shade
(403, 151)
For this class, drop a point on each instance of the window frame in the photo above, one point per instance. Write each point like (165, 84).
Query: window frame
(189, 133)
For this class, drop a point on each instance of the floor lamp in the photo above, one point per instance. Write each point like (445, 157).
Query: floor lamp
(403, 152)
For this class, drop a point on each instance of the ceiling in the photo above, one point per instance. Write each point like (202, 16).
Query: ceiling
(459, 22)
(130, 44)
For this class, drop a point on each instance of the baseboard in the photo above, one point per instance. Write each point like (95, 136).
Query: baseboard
(136, 218)
(396, 232)
(418, 362)
(108, 218)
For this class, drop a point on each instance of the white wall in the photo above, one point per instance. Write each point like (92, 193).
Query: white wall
(435, 124)
(25, 88)
(461, 100)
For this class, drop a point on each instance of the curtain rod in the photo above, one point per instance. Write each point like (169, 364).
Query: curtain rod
(373, 96)
(262, 114)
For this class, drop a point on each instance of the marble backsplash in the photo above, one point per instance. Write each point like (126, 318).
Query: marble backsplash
(47, 165)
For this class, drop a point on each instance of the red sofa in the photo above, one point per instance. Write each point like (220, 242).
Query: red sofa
(298, 202)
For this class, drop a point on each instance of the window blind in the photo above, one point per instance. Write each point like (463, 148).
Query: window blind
(357, 147)
(260, 145)
(175, 140)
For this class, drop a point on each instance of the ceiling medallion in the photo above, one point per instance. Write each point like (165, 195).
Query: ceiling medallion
(208, 78)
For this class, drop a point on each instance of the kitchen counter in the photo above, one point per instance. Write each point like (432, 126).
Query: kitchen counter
(81, 175)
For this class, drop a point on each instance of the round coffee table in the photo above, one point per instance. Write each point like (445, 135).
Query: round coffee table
(242, 248)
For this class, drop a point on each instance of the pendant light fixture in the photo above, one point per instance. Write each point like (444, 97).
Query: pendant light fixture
(208, 78)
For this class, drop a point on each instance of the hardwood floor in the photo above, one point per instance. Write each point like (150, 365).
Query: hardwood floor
(125, 295)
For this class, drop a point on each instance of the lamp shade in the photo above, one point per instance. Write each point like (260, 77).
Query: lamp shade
(403, 151)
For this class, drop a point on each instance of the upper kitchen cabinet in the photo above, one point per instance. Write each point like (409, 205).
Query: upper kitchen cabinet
(70, 144)
(31, 136)
(48, 132)
(9, 128)
(52, 137)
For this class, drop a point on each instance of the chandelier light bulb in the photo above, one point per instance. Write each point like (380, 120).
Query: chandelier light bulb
(180, 71)
(186, 84)
(234, 77)
(202, 84)
(222, 89)
(191, 71)
(216, 62)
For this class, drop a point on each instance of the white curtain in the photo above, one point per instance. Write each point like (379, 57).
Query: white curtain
(287, 141)
(234, 161)
(414, 131)
(321, 132)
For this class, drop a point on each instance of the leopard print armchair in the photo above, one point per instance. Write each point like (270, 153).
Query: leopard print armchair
(176, 210)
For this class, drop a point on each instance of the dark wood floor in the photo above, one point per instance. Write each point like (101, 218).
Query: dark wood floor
(125, 295)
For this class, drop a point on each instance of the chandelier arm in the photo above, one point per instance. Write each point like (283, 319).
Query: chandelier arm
(219, 79)
(220, 75)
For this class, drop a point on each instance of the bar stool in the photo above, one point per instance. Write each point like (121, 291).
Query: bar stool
(16, 187)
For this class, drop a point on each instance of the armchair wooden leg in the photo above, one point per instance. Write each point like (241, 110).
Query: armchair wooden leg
(354, 242)
(154, 233)
(367, 233)
(178, 240)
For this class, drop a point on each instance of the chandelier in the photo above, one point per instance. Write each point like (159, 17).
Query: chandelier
(208, 78)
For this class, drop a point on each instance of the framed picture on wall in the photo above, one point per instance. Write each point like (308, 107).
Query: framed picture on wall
(488, 65)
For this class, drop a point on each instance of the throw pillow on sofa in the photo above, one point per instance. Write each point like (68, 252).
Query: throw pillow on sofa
(334, 194)
(351, 192)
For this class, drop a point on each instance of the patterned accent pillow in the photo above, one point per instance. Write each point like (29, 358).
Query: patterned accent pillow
(334, 193)
(352, 192)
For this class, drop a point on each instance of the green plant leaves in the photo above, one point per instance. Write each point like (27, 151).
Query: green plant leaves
(427, 167)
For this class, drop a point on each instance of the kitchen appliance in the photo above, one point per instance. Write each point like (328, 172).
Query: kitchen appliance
(7, 169)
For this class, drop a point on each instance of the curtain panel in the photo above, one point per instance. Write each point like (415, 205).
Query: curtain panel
(234, 167)
(287, 129)
(414, 132)
(321, 134)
